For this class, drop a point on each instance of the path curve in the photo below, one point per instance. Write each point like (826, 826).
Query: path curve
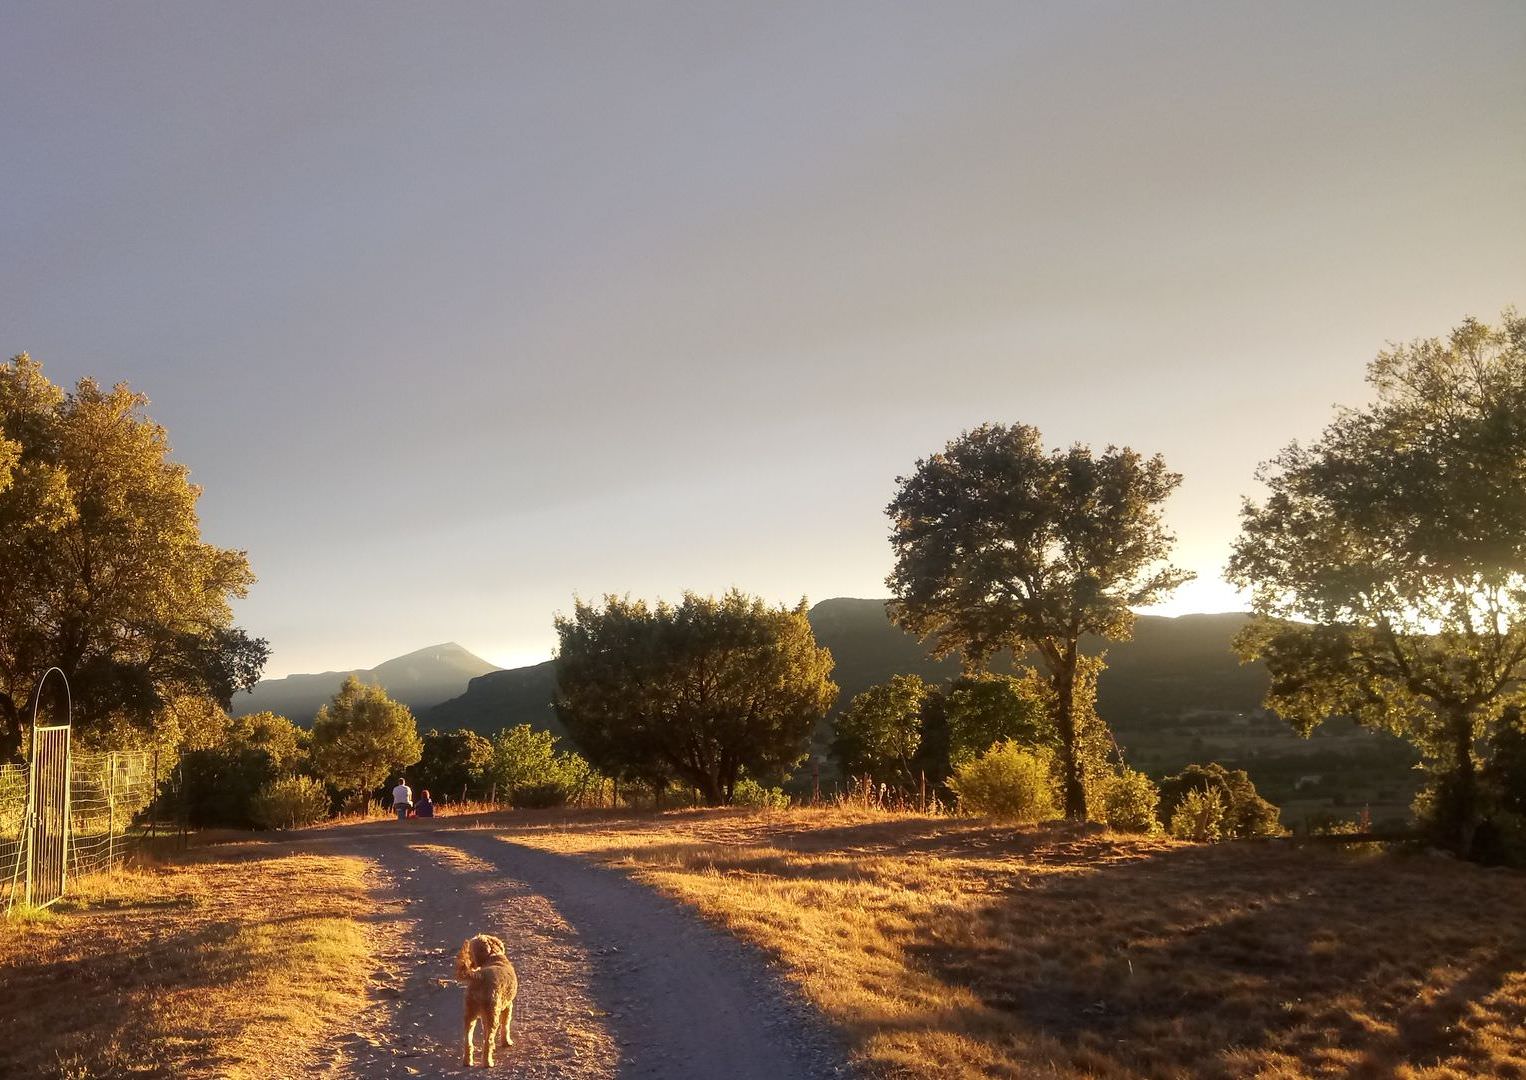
(616, 980)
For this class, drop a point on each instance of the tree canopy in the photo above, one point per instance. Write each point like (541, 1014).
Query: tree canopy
(1388, 558)
(103, 571)
(880, 732)
(1002, 545)
(696, 692)
(361, 737)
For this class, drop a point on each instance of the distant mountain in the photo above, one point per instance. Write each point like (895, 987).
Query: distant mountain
(1175, 693)
(419, 679)
(1171, 665)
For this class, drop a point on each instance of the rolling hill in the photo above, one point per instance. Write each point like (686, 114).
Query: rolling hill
(1175, 693)
(1171, 666)
(419, 679)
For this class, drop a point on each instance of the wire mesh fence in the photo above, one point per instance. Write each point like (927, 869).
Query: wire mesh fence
(110, 799)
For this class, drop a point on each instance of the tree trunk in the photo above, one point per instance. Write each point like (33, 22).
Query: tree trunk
(1065, 722)
(1464, 820)
(710, 790)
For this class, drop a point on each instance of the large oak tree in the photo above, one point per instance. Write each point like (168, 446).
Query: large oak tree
(103, 571)
(1388, 559)
(695, 692)
(1002, 545)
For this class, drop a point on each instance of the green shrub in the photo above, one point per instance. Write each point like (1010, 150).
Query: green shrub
(1007, 782)
(1199, 816)
(1245, 812)
(755, 796)
(1130, 803)
(290, 803)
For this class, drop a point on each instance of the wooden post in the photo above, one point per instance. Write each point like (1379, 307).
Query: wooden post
(153, 817)
(111, 809)
(922, 793)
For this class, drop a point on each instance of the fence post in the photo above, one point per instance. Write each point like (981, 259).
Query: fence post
(153, 817)
(111, 809)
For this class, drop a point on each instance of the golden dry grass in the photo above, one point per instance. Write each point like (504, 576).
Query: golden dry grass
(963, 948)
(221, 966)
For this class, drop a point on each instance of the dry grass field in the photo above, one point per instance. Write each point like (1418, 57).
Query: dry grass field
(217, 966)
(960, 948)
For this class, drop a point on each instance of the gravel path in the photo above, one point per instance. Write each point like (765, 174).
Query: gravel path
(615, 979)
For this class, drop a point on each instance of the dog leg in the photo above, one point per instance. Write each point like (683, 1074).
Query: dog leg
(471, 1024)
(490, 1029)
(508, 1021)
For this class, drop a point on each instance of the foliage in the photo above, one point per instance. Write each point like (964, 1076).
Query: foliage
(1000, 545)
(361, 737)
(103, 571)
(1199, 816)
(755, 796)
(694, 693)
(453, 761)
(1244, 812)
(1388, 559)
(1504, 775)
(220, 779)
(880, 731)
(986, 709)
(531, 772)
(1131, 802)
(1007, 781)
(290, 803)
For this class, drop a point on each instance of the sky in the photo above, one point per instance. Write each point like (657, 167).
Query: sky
(458, 311)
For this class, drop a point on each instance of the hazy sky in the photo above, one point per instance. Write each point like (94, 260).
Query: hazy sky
(457, 310)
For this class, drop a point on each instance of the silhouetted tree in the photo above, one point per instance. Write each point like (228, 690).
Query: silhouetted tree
(453, 761)
(1388, 559)
(696, 692)
(1001, 545)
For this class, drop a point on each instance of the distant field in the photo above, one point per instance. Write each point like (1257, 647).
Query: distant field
(218, 967)
(962, 949)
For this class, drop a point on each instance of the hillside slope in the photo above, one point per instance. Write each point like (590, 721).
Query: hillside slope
(1175, 693)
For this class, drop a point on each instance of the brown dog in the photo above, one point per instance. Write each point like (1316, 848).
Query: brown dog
(491, 985)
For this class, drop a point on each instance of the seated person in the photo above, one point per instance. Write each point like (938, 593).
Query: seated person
(425, 806)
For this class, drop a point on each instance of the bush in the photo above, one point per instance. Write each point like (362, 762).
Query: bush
(1130, 802)
(755, 796)
(290, 803)
(1245, 812)
(1007, 782)
(1199, 816)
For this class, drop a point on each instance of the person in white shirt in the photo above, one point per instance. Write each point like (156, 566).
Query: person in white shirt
(402, 798)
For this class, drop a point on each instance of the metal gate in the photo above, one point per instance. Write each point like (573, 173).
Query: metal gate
(47, 814)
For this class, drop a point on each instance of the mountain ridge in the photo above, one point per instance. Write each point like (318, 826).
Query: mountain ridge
(419, 679)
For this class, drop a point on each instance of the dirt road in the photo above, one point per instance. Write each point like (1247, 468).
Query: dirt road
(615, 980)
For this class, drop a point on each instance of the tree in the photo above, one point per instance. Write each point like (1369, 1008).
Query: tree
(103, 571)
(362, 736)
(1388, 559)
(695, 693)
(1243, 812)
(528, 768)
(453, 761)
(986, 709)
(880, 732)
(221, 776)
(1000, 545)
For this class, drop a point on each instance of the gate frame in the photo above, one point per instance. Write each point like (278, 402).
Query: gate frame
(30, 821)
